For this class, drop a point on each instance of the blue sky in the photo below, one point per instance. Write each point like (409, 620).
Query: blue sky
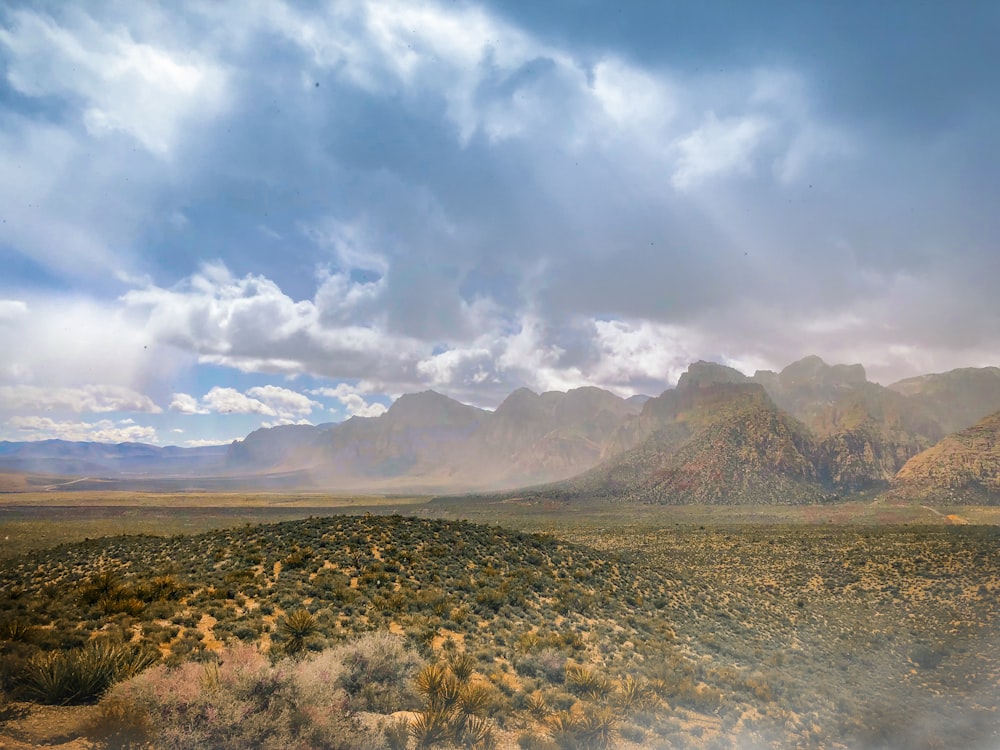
(216, 216)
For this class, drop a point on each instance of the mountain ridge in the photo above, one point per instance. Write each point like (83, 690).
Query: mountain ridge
(810, 432)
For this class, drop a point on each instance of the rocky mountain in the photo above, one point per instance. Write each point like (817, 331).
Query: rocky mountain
(716, 439)
(810, 431)
(864, 431)
(956, 399)
(963, 468)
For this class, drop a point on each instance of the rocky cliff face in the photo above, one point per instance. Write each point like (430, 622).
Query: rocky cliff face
(716, 439)
(962, 468)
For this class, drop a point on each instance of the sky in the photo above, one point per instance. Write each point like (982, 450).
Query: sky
(217, 216)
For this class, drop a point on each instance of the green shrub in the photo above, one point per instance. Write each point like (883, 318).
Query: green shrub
(83, 675)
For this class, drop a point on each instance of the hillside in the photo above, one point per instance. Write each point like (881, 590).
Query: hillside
(813, 636)
(963, 467)
(864, 431)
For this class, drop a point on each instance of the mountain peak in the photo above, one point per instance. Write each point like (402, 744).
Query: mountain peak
(430, 407)
(812, 370)
(700, 374)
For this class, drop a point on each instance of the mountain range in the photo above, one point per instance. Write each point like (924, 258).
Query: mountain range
(808, 433)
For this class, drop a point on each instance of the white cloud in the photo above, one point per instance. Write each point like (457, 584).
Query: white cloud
(88, 398)
(285, 421)
(12, 309)
(267, 400)
(352, 401)
(718, 148)
(102, 431)
(206, 442)
(64, 342)
(125, 86)
(186, 404)
(231, 401)
(251, 324)
(286, 403)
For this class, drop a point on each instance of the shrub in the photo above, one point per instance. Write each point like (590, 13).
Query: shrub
(82, 675)
(241, 701)
(397, 734)
(375, 673)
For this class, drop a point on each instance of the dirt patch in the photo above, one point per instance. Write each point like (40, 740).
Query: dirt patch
(33, 726)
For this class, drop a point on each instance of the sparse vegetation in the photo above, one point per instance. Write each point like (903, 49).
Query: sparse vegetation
(677, 635)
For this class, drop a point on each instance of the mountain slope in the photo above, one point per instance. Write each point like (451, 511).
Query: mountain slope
(963, 467)
(69, 458)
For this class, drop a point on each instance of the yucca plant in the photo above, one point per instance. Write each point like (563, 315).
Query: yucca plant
(537, 706)
(82, 675)
(594, 730)
(474, 699)
(296, 628)
(598, 729)
(462, 666)
(581, 680)
(633, 694)
(15, 630)
(430, 727)
(430, 681)
(477, 734)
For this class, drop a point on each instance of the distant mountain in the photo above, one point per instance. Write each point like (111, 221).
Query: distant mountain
(962, 468)
(810, 431)
(956, 399)
(429, 442)
(67, 458)
(715, 439)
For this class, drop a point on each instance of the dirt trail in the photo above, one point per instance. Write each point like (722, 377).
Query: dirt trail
(950, 518)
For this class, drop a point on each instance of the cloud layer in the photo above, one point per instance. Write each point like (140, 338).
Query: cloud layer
(381, 197)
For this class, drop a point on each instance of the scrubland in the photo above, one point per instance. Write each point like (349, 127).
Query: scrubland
(388, 631)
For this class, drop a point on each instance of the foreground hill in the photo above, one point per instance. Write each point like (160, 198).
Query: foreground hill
(813, 636)
(962, 468)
